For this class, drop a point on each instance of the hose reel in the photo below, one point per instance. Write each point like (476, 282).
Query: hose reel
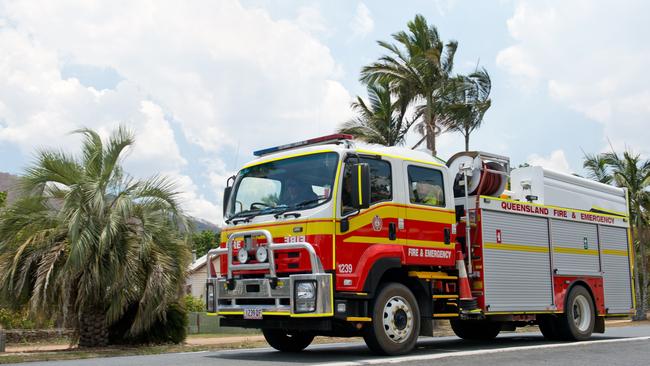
(487, 174)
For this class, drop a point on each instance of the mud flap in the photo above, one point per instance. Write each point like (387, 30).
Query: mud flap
(599, 327)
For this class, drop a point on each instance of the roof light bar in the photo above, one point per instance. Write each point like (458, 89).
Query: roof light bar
(315, 141)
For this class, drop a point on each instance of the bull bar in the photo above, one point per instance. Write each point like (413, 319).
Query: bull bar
(271, 294)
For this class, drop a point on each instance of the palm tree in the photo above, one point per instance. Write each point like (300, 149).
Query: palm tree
(86, 242)
(417, 67)
(382, 121)
(468, 99)
(597, 168)
(631, 172)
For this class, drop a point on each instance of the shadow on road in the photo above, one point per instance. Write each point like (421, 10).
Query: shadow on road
(356, 351)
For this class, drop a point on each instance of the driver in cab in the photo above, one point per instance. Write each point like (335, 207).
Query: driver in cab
(298, 193)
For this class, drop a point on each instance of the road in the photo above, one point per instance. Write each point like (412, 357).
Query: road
(619, 346)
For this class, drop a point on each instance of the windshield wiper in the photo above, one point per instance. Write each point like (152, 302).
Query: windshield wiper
(291, 211)
(244, 216)
(308, 202)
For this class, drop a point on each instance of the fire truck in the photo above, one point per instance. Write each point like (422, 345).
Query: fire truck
(332, 237)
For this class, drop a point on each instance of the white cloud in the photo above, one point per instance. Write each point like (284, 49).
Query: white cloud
(221, 74)
(362, 24)
(445, 6)
(310, 19)
(590, 56)
(556, 161)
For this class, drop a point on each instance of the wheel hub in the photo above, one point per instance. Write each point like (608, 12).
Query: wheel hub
(581, 312)
(398, 319)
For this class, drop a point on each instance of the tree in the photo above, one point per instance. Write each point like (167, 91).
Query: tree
(3, 198)
(86, 242)
(204, 241)
(468, 98)
(596, 166)
(383, 120)
(631, 172)
(417, 67)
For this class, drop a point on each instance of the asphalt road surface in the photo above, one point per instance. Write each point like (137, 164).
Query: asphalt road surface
(619, 346)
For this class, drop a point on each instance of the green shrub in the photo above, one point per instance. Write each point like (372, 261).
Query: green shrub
(21, 319)
(172, 329)
(194, 304)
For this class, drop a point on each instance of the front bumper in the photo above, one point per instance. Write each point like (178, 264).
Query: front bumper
(258, 293)
(272, 295)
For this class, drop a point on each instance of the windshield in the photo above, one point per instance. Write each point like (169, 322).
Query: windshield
(282, 185)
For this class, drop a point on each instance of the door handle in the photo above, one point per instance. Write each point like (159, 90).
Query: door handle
(447, 232)
(392, 231)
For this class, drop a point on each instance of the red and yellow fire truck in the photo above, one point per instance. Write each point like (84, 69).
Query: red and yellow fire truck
(331, 237)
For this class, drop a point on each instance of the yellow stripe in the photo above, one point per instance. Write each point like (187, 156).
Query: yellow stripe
(420, 214)
(287, 157)
(359, 183)
(516, 247)
(432, 275)
(358, 319)
(523, 312)
(443, 315)
(445, 296)
(370, 152)
(381, 240)
(565, 250)
(619, 213)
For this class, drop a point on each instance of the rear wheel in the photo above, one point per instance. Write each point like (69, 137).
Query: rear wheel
(395, 321)
(475, 330)
(579, 318)
(287, 341)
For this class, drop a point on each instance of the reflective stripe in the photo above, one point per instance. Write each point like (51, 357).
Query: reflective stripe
(516, 247)
(359, 179)
(383, 240)
(565, 250)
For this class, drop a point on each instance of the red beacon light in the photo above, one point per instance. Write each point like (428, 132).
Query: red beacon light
(335, 138)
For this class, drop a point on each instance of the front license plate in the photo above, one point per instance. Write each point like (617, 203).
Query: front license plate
(252, 313)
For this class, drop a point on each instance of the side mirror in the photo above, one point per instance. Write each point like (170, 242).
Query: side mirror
(226, 193)
(226, 198)
(360, 186)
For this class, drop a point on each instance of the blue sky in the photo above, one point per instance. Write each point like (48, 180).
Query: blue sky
(204, 83)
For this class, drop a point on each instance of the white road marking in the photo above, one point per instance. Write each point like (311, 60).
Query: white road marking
(190, 353)
(435, 356)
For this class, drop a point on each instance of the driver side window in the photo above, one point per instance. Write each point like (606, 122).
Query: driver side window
(381, 183)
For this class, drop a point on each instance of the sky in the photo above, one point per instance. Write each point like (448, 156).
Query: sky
(203, 83)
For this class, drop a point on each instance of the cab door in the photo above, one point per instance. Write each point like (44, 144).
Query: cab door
(429, 214)
(360, 233)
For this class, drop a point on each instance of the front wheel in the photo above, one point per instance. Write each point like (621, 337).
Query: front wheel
(395, 321)
(287, 341)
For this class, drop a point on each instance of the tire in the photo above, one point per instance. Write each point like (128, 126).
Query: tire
(549, 327)
(287, 341)
(579, 318)
(395, 321)
(475, 330)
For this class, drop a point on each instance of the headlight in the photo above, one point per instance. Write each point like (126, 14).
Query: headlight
(261, 254)
(305, 296)
(242, 255)
(305, 290)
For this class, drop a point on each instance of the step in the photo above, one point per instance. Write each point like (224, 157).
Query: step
(432, 275)
(445, 296)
